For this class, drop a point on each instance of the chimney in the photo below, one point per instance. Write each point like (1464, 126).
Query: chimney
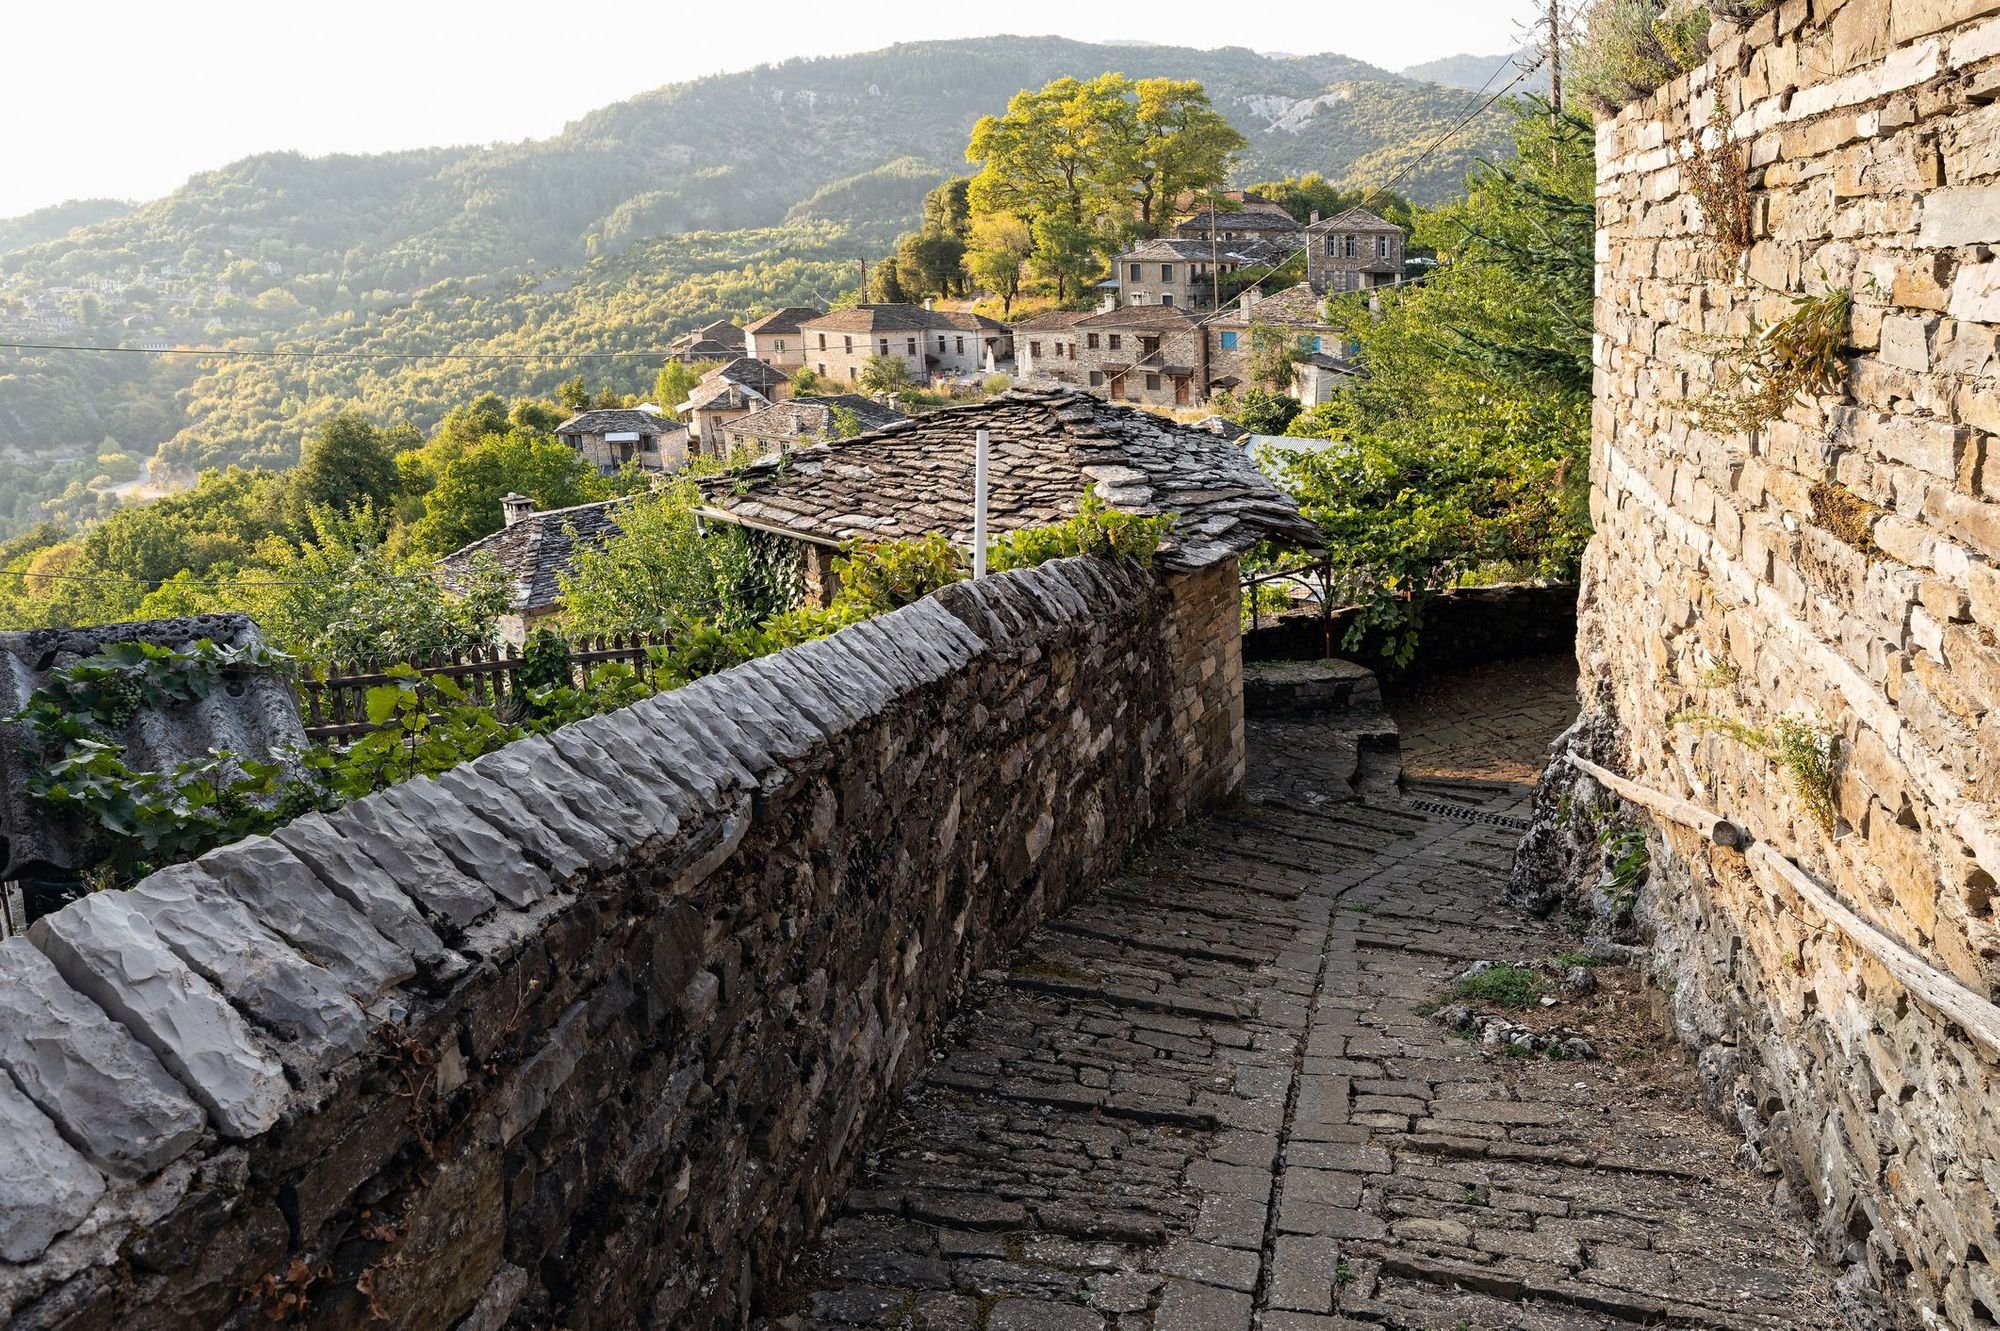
(1248, 301)
(930, 302)
(1108, 304)
(515, 507)
(1315, 218)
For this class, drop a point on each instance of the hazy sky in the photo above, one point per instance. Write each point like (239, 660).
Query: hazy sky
(126, 99)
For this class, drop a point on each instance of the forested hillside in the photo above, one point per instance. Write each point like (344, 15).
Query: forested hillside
(766, 181)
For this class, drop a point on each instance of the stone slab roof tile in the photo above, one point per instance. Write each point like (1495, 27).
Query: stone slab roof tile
(534, 552)
(786, 320)
(610, 420)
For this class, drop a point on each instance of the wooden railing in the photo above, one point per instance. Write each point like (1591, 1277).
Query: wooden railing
(336, 706)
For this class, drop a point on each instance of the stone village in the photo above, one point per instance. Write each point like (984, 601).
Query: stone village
(1050, 953)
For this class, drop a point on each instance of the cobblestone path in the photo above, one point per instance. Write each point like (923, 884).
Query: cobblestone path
(1205, 1100)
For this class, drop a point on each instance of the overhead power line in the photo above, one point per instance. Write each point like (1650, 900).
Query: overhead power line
(336, 353)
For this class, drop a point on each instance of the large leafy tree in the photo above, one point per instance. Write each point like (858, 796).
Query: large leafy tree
(1173, 143)
(1054, 151)
(997, 254)
(464, 502)
(349, 463)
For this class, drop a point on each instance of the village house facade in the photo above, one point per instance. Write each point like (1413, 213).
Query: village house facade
(1045, 345)
(776, 340)
(719, 340)
(1149, 354)
(932, 343)
(1257, 221)
(1298, 314)
(608, 439)
(1353, 251)
(727, 393)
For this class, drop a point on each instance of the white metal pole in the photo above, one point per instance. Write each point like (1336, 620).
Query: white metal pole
(979, 505)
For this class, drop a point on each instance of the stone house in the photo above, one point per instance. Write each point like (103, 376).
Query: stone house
(804, 421)
(727, 393)
(1299, 313)
(1141, 353)
(719, 340)
(1045, 346)
(610, 438)
(1353, 251)
(1048, 447)
(1168, 271)
(1265, 222)
(776, 340)
(932, 343)
(533, 550)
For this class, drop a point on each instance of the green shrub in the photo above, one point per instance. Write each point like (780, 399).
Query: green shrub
(1513, 987)
(1097, 529)
(1627, 48)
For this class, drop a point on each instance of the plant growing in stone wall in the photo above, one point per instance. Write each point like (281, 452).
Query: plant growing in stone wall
(1804, 746)
(1718, 175)
(1772, 366)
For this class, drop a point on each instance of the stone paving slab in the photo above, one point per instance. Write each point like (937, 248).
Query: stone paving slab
(1206, 1100)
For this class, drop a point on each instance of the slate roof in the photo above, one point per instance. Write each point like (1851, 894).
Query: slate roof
(786, 320)
(1250, 219)
(1047, 449)
(1355, 219)
(718, 394)
(808, 416)
(873, 319)
(618, 420)
(255, 715)
(1295, 305)
(1139, 316)
(754, 374)
(533, 551)
(1053, 320)
(967, 322)
(1167, 247)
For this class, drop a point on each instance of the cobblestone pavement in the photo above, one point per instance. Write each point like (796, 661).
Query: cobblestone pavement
(1205, 1099)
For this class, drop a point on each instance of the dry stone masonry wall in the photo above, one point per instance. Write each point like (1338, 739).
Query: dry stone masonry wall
(1840, 566)
(591, 1031)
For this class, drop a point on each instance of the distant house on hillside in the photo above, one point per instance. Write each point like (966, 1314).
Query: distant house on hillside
(1298, 314)
(608, 439)
(533, 550)
(1045, 346)
(776, 340)
(805, 421)
(726, 393)
(721, 340)
(1141, 353)
(1048, 450)
(1264, 221)
(1353, 251)
(931, 342)
(1169, 271)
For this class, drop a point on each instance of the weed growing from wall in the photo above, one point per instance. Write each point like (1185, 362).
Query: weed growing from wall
(1775, 365)
(1803, 746)
(1718, 173)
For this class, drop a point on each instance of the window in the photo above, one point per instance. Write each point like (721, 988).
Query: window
(822, 368)
(882, 346)
(1381, 247)
(847, 345)
(1136, 270)
(822, 341)
(1148, 345)
(1167, 299)
(779, 344)
(1117, 341)
(961, 345)
(1097, 378)
(940, 344)
(1352, 246)
(1166, 272)
(1153, 382)
(1229, 341)
(1034, 349)
(913, 346)
(1090, 340)
(853, 373)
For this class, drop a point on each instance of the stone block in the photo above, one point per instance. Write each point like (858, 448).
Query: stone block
(476, 846)
(297, 1001)
(45, 1186)
(290, 900)
(402, 850)
(107, 950)
(107, 1091)
(351, 875)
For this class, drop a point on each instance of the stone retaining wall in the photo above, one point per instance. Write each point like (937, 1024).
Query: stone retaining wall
(591, 1031)
(1842, 565)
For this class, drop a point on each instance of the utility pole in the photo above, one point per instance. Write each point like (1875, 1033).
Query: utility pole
(864, 282)
(1555, 79)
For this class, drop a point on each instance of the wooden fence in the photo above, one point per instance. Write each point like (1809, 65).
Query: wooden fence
(336, 707)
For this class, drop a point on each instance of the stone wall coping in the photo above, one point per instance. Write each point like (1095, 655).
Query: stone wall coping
(222, 996)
